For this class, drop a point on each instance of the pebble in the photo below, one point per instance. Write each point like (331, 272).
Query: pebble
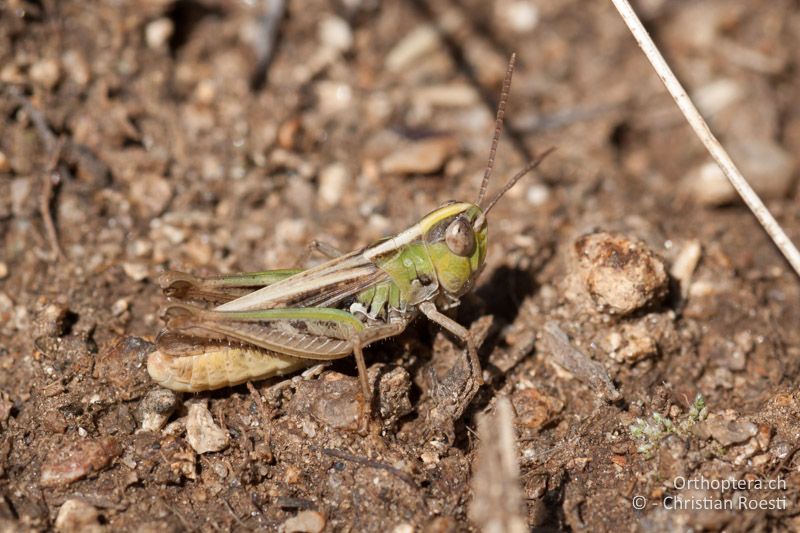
(6, 303)
(202, 433)
(305, 522)
(156, 408)
(11, 74)
(333, 180)
(632, 343)
(45, 72)
(20, 192)
(684, 265)
(726, 432)
(334, 400)
(522, 16)
(135, 271)
(158, 32)
(123, 365)
(333, 96)
(51, 322)
(76, 67)
(765, 165)
(3, 270)
(5, 164)
(119, 307)
(393, 389)
(620, 275)
(538, 194)
(420, 157)
(446, 95)
(77, 460)
(77, 516)
(206, 92)
(151, 194)
(420, 42)
(717, 96)
(534, 409)
(335, 33)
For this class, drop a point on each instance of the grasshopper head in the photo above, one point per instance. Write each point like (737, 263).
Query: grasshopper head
(455, 236)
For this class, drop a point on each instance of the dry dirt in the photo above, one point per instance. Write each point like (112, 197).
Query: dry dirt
(158, 134)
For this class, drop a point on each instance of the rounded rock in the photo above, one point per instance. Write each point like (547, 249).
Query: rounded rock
(620, 275)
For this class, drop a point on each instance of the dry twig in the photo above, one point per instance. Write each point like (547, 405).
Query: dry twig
(339, 454)
(703, 132)
(497, 503)
(579, 364)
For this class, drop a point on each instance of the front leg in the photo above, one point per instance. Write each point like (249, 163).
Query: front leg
(434, 315)
(454, 392)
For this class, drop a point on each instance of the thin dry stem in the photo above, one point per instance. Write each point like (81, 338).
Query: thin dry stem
(703, 132)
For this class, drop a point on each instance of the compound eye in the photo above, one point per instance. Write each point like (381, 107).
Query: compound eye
(460, 238)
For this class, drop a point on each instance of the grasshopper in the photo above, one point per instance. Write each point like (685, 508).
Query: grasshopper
(227, 330)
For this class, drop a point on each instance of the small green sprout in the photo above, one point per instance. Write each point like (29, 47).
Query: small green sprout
(649, 432)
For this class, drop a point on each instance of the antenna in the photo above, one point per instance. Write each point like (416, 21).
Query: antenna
(527, 168)
(498, 127)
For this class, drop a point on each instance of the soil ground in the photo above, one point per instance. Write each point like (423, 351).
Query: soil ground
(159, 134)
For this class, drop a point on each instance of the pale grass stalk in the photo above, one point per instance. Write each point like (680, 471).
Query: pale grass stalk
(702, 131)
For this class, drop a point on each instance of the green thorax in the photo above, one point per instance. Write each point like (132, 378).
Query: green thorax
(420, 264)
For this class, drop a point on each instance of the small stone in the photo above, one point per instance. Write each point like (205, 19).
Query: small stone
(420, 42)
(335, 400)
(619, 274)
(77, 460)
(522, 16)
(393, 389)
(420, 157)
(538, 194)
(158, 32)
(6, 303)
(135, 271)
(726, 432)
(3, 270)
(717, 96)
(206, 91)
(20, 193)
(5, 408)
(333, 96)
(123, 365)
(446, 95)
(765, 165)
(335, 33)
(5, 164)
(76, 67)
(333, 180)
(11, 74)
(45, 72)
(151, 194)
(305, 522)
(684, 265)
(199, 250)
(534, 409)
(51, 322)
(632, 343)
(119, 307)
(77, 516)
(156, 408)
(202, 433)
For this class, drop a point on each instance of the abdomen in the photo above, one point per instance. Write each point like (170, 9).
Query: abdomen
(219, 366)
